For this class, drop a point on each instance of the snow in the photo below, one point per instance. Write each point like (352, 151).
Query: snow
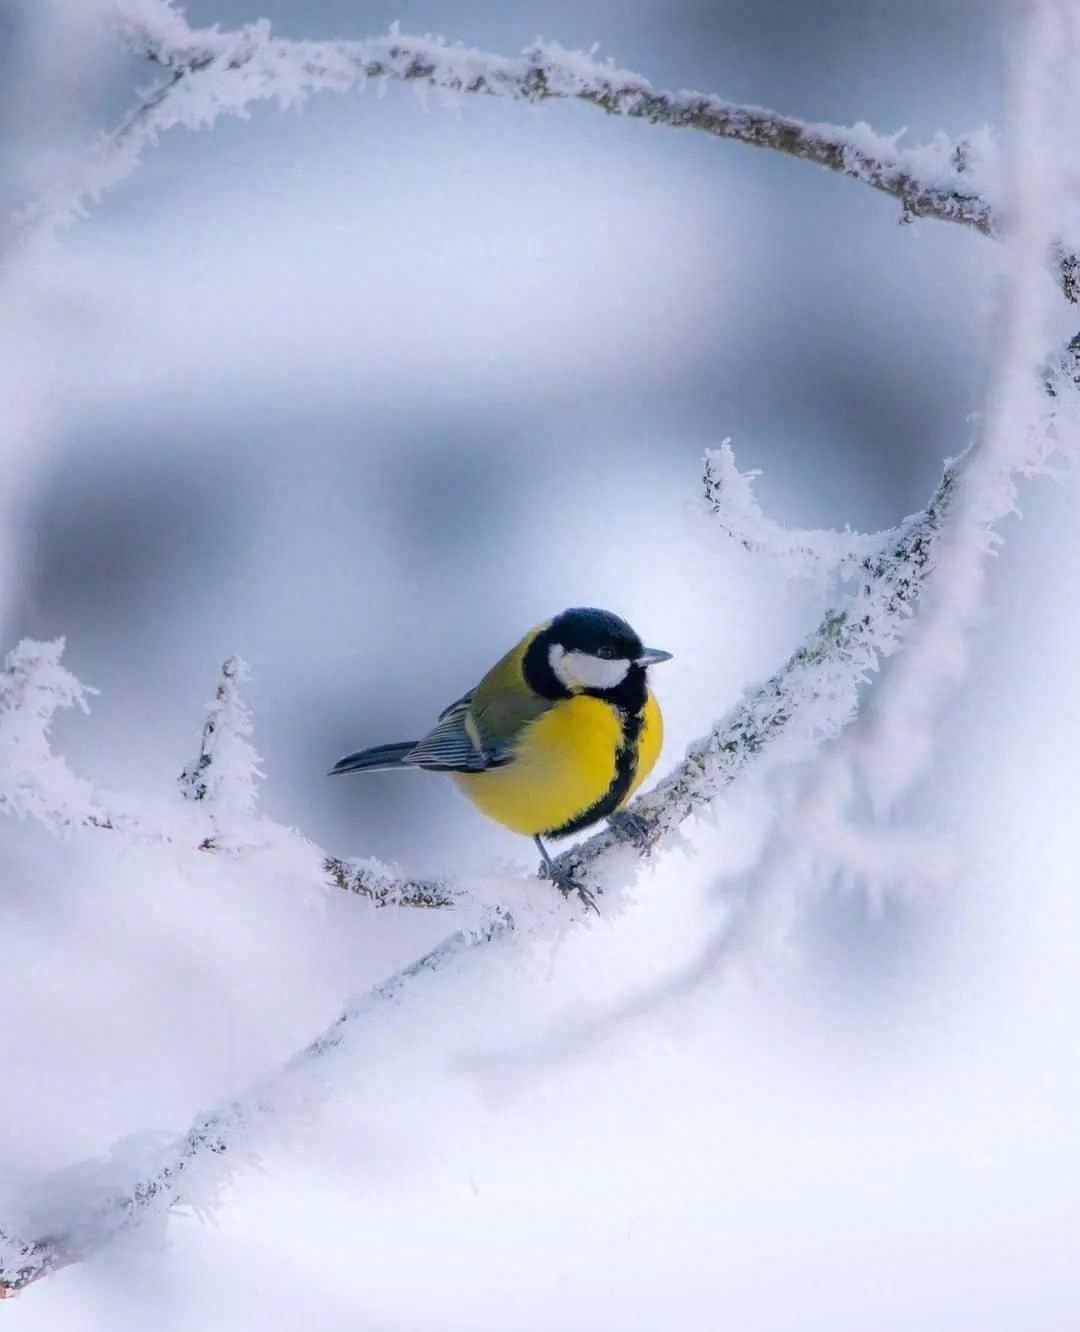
(812, 698)
(34, 782)
(225, 774)
(661, 1117)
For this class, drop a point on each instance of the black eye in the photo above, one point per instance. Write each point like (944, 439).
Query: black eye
(606, 653)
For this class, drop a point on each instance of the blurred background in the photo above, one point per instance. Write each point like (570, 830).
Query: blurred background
(362, 391)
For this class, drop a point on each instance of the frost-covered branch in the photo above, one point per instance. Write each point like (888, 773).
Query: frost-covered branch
(1019, 435)
(385, 887)
(810, 698)
(223, 777)
(36, 783)
(209, 73)
(199, 1163)
(730, 499)
(816, 693)
(225, 72)
(223, 780)
(813, 694)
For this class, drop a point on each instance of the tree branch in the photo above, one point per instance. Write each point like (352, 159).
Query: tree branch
(212, 1136)
(815, 691)
(36, 783)
(212, 73)
(931, 181)
(384, 888)
(824, 555)
(812, 697)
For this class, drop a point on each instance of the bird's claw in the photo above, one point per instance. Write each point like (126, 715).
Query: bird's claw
(564, 880)
(629, 827)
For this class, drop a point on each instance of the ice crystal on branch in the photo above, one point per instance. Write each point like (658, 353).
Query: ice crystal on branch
(225, 774)
(34, 782)
(729, 496)
(211, 73)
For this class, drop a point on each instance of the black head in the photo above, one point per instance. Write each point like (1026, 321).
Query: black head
(589, 651)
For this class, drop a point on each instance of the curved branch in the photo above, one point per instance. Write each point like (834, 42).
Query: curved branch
(935, 181)
(816, 688)
(212, 73)
(811, 697)
(815, 694)
(825, 555)
(213, 1136)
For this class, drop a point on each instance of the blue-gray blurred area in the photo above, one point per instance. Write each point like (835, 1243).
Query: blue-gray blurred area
(362, 391)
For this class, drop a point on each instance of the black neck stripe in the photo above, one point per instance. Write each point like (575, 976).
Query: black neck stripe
(626, 764)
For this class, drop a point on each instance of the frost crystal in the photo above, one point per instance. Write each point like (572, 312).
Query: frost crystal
(729, 496)
(34, 782)
(226, 773)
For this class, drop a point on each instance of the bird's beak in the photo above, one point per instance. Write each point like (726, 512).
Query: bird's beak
(652, 657)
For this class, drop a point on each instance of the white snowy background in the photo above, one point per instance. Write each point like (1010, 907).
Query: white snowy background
(362, 391)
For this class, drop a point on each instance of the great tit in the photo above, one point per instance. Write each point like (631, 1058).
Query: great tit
(559, 734)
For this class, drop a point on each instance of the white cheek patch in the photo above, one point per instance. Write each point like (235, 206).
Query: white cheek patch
(581, 670)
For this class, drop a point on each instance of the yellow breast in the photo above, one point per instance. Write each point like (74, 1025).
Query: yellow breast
(650, 742)
(565, 764)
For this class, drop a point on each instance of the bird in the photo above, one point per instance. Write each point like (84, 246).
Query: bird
(557, 736)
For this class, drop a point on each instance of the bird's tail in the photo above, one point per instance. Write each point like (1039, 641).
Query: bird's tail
(374, 760)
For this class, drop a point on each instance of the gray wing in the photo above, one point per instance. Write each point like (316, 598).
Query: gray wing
(448, 746)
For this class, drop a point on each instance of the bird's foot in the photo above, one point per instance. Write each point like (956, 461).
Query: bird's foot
(565, 881)
(627, 827)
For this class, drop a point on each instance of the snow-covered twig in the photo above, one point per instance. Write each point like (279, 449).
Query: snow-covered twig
(210, 73)
(385, 887)
(35, 782)
(207, 1145)
(730, 498)
(224, 775)
(223, 778)
(1020, 434)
